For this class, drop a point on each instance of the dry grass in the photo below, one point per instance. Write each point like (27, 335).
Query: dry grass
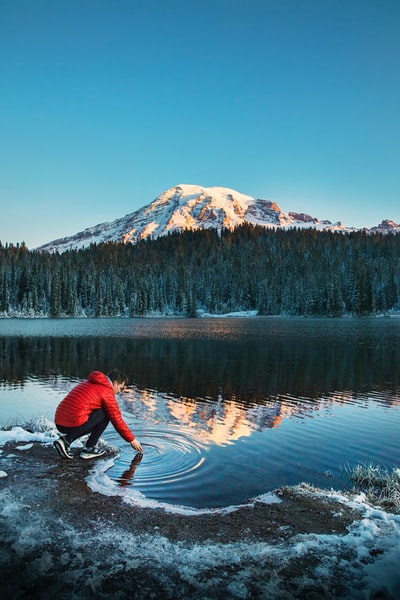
(33, 425)
(380, 484)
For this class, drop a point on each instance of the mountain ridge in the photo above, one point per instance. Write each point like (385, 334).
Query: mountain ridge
(193, 207)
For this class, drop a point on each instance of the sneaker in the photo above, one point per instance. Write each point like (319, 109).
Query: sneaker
(91, 453)
(62, 447)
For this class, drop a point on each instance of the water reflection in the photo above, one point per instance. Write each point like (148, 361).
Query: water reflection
(225, 410)
(127, 476)
(243, 371)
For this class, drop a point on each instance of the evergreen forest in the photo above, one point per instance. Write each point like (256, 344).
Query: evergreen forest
(250, 268)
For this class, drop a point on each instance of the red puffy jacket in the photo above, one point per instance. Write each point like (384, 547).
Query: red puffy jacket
(95, 392)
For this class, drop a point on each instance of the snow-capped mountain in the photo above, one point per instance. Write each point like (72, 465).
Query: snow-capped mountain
(387, 226)
(195, 207)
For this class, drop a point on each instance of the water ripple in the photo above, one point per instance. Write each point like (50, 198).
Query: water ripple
(169, 456)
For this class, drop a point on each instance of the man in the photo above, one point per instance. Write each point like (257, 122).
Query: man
(87, 410)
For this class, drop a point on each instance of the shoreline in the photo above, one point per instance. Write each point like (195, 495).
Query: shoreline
(57, 533)
(272, 522)
(252, 314)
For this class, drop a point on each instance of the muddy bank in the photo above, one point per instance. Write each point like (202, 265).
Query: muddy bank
(59, 487)
(60, 537)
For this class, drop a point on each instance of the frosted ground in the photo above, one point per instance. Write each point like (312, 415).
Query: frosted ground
(74, 534)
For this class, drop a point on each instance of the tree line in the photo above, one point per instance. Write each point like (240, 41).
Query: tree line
(250, 268)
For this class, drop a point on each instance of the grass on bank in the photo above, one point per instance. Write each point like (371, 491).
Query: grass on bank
(380, 484)
(32, 425)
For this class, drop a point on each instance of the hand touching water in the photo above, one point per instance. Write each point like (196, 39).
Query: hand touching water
(136, 445)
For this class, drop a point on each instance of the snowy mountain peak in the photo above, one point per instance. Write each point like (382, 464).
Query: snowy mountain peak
(387, 226)
(195, 207)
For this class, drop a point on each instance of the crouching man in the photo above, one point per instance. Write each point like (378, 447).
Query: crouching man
(87, 410)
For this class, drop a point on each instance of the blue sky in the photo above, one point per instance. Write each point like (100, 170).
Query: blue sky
(107, 103)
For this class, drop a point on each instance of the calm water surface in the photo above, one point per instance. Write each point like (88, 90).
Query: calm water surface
(226, 409)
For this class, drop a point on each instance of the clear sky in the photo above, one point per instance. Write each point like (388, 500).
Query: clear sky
(104, 104)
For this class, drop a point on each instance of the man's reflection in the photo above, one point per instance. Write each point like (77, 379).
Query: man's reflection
(129, 474)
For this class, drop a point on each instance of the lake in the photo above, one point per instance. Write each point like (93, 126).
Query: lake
(226, 408)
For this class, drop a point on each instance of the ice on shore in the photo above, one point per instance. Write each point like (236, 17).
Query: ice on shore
(372, 543)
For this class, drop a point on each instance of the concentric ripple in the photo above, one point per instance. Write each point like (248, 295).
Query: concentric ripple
(169, 457)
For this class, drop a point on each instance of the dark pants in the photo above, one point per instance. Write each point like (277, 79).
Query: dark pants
(95, 425)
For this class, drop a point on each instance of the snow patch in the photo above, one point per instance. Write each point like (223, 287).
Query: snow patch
(269, 498)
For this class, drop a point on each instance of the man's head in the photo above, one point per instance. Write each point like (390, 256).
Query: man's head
(118, 380)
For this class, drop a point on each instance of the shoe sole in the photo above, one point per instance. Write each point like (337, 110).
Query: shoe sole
(90, 456)
(61, 451)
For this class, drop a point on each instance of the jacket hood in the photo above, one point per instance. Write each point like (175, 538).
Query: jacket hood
(99, 378)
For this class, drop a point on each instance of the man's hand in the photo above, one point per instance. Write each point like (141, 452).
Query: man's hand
(136, 446)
